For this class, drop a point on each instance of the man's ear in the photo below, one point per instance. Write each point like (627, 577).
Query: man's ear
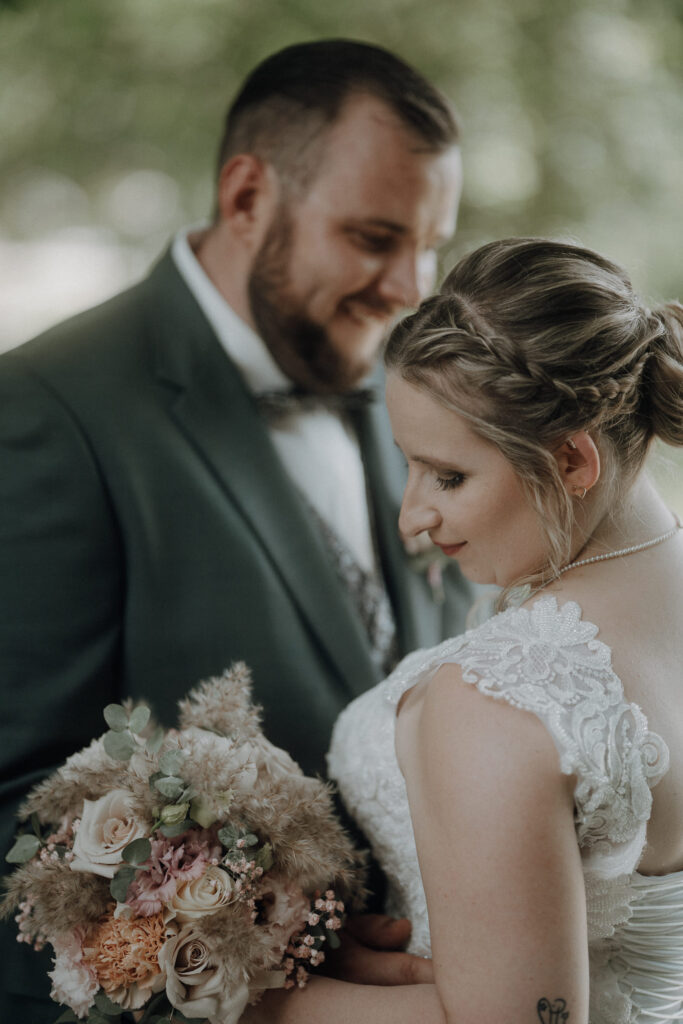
(248, 193)
(578, 461)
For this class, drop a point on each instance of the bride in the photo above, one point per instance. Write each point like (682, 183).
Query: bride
(522, 785)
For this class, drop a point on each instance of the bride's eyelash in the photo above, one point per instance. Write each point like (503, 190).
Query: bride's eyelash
(447, 483)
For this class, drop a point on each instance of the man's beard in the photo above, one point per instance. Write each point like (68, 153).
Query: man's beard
(302, 349)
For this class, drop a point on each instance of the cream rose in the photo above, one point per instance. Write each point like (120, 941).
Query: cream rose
(107, 826)
(203, 895)
(195, 984)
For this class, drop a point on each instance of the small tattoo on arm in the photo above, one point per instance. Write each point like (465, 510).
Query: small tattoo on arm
(552, 1013)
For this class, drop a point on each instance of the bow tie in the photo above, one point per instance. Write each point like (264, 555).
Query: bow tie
(284, 403)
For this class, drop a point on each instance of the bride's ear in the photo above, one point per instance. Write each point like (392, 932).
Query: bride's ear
(578, 461)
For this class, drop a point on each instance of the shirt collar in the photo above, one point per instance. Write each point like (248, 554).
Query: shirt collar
(242, 344)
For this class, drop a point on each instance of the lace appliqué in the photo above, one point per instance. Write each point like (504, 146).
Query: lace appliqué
(546, 660)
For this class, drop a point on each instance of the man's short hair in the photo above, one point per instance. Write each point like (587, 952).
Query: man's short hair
(291, 98)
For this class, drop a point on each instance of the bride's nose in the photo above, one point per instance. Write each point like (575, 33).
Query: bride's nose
(417, 514)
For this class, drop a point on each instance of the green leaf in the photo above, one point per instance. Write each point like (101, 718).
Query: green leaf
(156, 1009)
(105, 1005)
(120, 882)
(228, 835)
(202, 812)
(333, 940)
(97, 1017)
(171, 761)
(137, 852)
(35, 825)
(264, 857)
(68, 1017)
(155, 740)
(25, 847)
(171, 831)
(250, 839)
(116, 717)
(139, 718)
(119, 745)
(170, 786)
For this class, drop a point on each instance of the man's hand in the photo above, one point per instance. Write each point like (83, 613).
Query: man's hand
(371, 953)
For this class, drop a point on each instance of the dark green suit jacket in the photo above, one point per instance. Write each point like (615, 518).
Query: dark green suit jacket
(149, 536)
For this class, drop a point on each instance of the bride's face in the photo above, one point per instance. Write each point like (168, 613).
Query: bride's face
(462, 490)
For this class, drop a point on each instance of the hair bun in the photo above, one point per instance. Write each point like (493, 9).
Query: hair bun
(662, 384)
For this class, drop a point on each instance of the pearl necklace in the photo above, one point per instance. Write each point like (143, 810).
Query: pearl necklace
(623, 551)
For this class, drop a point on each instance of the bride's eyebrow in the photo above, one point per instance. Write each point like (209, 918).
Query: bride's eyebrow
(429, 461)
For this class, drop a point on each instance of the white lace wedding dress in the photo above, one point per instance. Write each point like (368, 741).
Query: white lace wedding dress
(545, 660)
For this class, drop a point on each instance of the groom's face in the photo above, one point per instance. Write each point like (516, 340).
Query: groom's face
(359, 246)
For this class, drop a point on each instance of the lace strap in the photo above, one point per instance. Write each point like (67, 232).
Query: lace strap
(547, 660)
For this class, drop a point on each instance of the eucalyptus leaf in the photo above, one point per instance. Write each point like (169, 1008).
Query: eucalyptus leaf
(170, 786)
(35, 825)
(250, 839)
(171, 761)
(137, 852)
(95, 1016)
(155, 740)
(139, 718)
(105, 1004)
(26, 846)
(228, 835)
(116, 717)
(153, 778)
(120, 882)
(68, 1017)
(333, 940)
(119, 745)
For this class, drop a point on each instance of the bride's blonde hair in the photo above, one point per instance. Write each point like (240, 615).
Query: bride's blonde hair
(532, 340)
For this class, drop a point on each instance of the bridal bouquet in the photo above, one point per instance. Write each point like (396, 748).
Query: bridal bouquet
(181, 874)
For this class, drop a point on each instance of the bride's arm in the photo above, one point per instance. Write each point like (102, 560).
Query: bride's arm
(494, 826)
(327, 1001)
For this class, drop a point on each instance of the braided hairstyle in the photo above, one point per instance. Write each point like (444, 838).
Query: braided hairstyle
(532, 340)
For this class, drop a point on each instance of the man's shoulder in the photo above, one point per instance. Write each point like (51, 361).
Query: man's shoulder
(100, 341)
(108, 323)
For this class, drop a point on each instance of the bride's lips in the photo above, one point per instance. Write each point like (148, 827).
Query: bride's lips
(451, 549)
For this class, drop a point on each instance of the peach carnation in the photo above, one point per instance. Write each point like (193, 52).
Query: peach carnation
(123, 953)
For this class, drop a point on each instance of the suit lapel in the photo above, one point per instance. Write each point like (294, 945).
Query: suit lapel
(210, 405)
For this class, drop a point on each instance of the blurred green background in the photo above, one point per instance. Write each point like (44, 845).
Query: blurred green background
(110, 113)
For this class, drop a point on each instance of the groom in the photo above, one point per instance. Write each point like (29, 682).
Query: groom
(188, 475)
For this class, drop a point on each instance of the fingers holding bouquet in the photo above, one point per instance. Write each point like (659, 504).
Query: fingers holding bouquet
(181, 872)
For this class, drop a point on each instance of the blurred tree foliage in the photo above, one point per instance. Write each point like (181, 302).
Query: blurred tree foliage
(111, 110)
(573, 113)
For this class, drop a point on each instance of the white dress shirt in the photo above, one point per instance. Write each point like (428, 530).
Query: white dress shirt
(317, 447)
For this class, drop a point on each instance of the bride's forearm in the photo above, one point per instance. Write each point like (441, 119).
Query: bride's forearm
(328, 1001)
